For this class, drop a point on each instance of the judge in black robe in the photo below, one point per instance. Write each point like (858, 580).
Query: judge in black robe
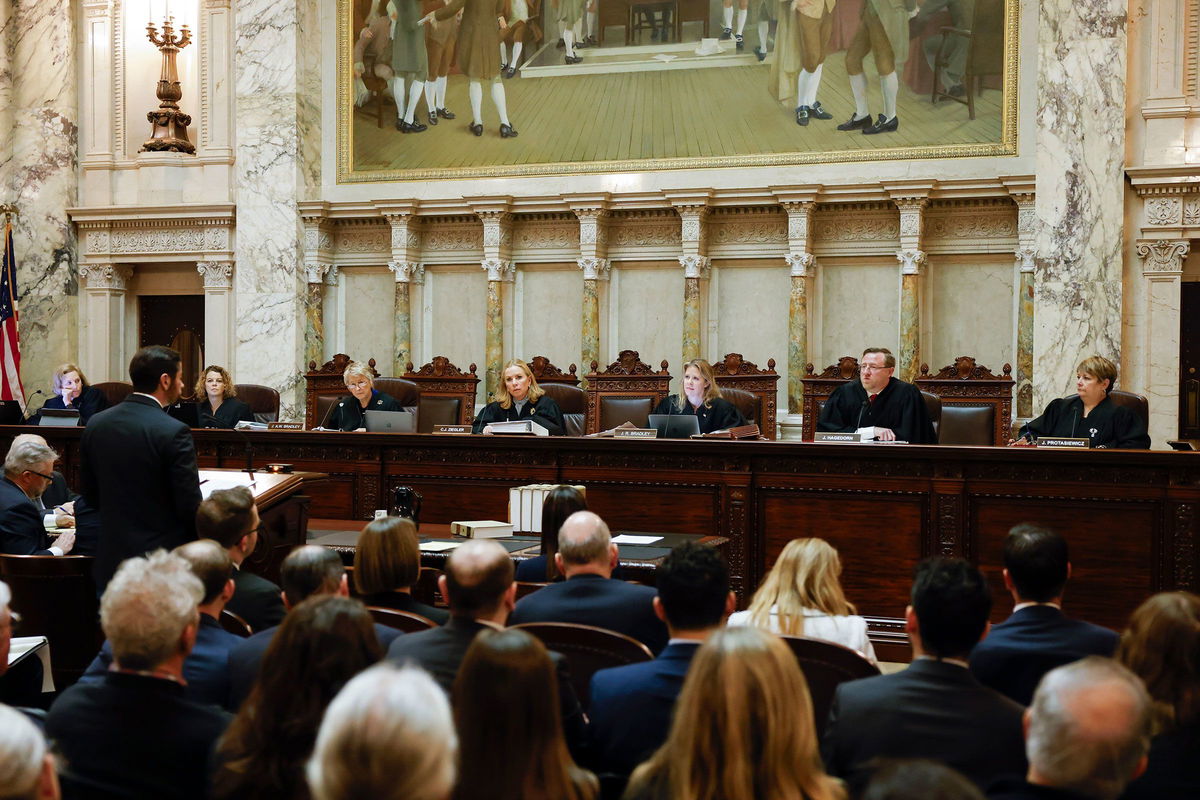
(228, 414)
(717, 414)
(519, 397)
(898, 406)
(1106, 425)
(349, 414)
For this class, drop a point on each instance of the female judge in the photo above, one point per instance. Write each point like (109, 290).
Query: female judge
(220, 407)
(71, 390)
(520, 397)
(1089, 413)
(702, 398)
(349, 414)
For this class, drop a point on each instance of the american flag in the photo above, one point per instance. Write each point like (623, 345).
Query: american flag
(10, 342)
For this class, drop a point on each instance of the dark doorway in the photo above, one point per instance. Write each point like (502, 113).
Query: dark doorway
(1189, 361)
(176, 321)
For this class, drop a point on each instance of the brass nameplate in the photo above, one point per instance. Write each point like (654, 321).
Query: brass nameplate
(834, 436)
(1046, 441)
(285, 426)
(452, 429)
(635, 433)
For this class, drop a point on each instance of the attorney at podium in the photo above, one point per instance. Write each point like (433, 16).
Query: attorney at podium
(894, 408)
(520, 397)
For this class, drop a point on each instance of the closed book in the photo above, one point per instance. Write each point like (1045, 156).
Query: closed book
(518, 427)
(481, 529)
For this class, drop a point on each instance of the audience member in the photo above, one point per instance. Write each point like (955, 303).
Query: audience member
(561, 502)
(387, 564)
(1086, 734)
(935, 708)
(631, 705)
(500, 698)
(323, 643)
(387, 736)
(915, 779)
(21, 684)
(26, 765)
(802, 596)
(27, 474)
(135, 734)
(230, 517)
(307, 571)
(589, 595)
(1162, 647)
(1037, 637)
(206, 669)
(743, 728)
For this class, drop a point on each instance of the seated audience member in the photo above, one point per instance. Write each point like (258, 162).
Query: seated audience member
(57, 503)
(323, 643)
(561, 502)
(349, 412)
(589, 595)
(307, 571)
(509, 727)
(71, 390)
(230, 517)
(27, 474)
(206, 669)
(1037, 637)
(802, 596)
(1086, 734)
(743, 728)
(915, 779)
(1162, 647)
(135, 734)
(895, 409)
(217, 400)
(20, 685)
(702, 399)
(387, 736)
(387, 564)
(631, 705)
(935, 708)
(26, 765)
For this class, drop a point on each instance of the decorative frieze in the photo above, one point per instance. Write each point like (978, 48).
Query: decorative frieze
(1164, 210)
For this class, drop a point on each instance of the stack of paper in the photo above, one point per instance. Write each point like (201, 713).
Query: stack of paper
(525, 505)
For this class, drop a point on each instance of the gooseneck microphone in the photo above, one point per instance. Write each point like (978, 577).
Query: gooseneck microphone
(862, 410)
(28, 402)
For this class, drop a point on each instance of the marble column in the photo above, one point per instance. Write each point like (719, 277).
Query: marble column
(497, 271)
(218, 311)
(595, 270)
(402, 308)
(592, 213)
(912, 262)
(102, 351)
(693, 212)
(800, 267)
(1026, 261)
(1080, 186)
(1162, 269)
(314, 314)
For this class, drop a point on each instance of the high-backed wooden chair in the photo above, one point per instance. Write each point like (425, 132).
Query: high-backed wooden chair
(405, 392)
(976, 404)
(562, 388)
(1134, 402)
(426, 588)
(263, 400)
(985, 53)
(588, 649)
(447, 393)
(739, 378)
(626, 391)
(826, 665)
(324, 385)
(115, 391)
(405, 621)
(818, 388)
(933, 407)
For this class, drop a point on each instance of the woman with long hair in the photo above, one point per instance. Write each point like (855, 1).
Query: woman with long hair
(519, 397)
(323, 643)
(560, 503)
(387, 564)
(802, 596)
(743, 729)
(509, 725)
(702, 398)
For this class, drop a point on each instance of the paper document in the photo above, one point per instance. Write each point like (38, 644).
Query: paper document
(629, 538)
(211, 480)
(438, 547)
(33, 647)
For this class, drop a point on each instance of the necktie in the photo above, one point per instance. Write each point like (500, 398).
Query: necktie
(872, 398)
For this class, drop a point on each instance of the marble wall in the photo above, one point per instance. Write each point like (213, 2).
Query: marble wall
(648, 316)
(971, 307)
(366, 309)
(860, 308)
(454, 311)
(547, 303)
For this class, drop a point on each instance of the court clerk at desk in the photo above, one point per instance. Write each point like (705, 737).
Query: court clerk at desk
(520, 397)
(349, 413)
(1089, 413)
(702, 399)
(219, 407)
(894, 408)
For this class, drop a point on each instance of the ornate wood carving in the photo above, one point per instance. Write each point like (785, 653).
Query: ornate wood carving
(440, 378)
(817, 389)
(545, 372)
(734, 372)
(625, 377)
(967, 383)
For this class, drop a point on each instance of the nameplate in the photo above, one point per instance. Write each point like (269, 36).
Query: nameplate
(453, 429)
(635, 433)
(831, 436)
(285, 426)
(1046, 441)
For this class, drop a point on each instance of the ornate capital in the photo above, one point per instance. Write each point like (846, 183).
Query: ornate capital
(911, 261)
(498, 269)
(1162, 255)
(331, 277)
(594, 269)
(418, 275)
(695, 266)
(1026, 258)
(216, 274)
(800, 264)
(404, 270)
(105, 276)
(315, 272)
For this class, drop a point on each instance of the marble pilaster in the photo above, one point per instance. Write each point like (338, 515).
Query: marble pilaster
(101, 351)
(497, 246)
(402, 307)
(595, 270)
(314, 314)
(593, 216)
(1162, 270)
(912, 261)
(219, 310)
(692, 208)
(1080, 145)
(802, 270)
(1026, 261)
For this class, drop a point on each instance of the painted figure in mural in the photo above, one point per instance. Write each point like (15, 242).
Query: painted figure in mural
(814, 23)
(962, 16)
(373, 51)
(882, 32)
(410, 60)
(569, 13)
(479, 56)
(440, 40)
(522, 16)
(727, 31)
(765, 12)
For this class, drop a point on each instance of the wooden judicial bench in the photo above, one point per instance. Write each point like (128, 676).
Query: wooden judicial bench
(1132, 517)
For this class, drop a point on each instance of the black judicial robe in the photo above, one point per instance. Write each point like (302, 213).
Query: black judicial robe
(899, 407)
(544, 411)
(1108, 424)
(228, 414)
(717, 415)
(348, 414)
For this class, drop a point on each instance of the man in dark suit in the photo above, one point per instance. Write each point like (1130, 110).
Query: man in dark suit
(631, 706)
(307, 571)
(27, 474)
(139, 466)
(230, 517)
(1037, 637)
(934, 708)
(136, 734)
(589, 596)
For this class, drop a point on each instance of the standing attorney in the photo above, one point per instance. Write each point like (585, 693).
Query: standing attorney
(894, 408)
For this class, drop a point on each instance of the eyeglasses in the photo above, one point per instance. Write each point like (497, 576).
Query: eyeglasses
(41, 474)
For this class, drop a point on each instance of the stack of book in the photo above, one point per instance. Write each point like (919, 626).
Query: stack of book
(525, 505)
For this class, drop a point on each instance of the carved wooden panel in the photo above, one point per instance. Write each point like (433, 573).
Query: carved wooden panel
(969, 384)
(440, 378)
(625, 377)
(818, 387)
(734, 372)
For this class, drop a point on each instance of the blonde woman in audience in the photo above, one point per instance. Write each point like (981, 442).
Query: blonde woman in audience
(26, 766)
(743, 729)
(387, 736)
(802, 596)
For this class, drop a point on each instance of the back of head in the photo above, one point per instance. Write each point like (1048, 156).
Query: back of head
(693, 586)
(584, 539)
(916, 779)
(210, 563)
(310, 570)
(22, 754)
(1036, 559)
(146, 606)
(805, 576)
(560, 503)
(1161, 645)
(478, 573)
(387, 557)
(27, 453)
(388, 736)
(323, 642)
(952, 603)
(225, 516)
(1089, 727)
(151, 363)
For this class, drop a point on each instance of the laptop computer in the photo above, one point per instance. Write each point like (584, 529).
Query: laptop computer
(391, 421)
(675, 426)
(59, 417)
(186, 412)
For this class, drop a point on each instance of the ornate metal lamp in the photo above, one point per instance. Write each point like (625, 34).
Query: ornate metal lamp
(169, 124)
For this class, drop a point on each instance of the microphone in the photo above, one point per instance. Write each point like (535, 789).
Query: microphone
(28, 401)
(328, 414)
(1074, 421)
(249, 452)
(862, 410)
